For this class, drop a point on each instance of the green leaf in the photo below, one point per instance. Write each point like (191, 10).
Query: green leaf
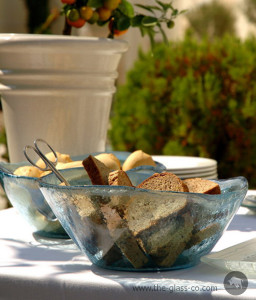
(137, 21)
(123, 23)
(175, 12)
(126, 8)
(165, 6)
(165, 39)
(142, 31)
(149, 21)
(95, 3)
(148, 7)
(183, 11)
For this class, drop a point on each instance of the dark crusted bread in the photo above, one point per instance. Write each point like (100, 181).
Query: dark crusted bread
(109, 160)
(123, 237)
(175, 242)
(143, 211)
(94, 228)
(164, 182)
(204, 186)
(161, 225)
(96, 170)
(203, 234)
(119, 202)
(110, 219)
(119, 177)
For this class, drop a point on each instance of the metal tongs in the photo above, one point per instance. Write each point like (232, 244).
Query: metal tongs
(49, 165)
(42, 206)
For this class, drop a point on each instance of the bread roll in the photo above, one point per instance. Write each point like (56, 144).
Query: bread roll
(109, 160)
(136, 159)
(69, 165)
(61, 166)
(63, 158)
(29, 171)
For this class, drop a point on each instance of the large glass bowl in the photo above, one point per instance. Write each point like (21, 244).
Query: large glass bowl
(24, 194)
(131, 229)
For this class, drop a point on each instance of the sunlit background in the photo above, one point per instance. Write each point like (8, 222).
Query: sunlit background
(14, 18)
(211, 18)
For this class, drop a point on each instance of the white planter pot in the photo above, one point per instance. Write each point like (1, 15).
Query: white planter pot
(58, 88)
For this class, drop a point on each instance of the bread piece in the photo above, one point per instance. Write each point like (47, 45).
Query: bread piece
(123, 237)
(204, 186)
(69, 165)
(119, 202)
(144, 211)
(160, 224)
(175, 242)
(63, 158)
(119, 177)
(61, 166)
(164, 182)
(96, 170)
(98, 239)
(136, 159)
(109, 160)
(29, 171)
(205, 233)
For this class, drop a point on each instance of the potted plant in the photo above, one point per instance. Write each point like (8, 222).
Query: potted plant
(60, 87)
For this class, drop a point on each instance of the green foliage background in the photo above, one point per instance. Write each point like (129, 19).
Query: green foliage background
(192, 98)
(212, 19)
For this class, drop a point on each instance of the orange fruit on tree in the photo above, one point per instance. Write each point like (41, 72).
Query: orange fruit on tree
(73, 14)
(104, 13)
(78, 23)
(86, 12)
(111, 4)
(115, 31)
(68, 1)
(94, 18)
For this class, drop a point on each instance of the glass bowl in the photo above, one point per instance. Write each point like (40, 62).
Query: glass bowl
(24, 194)
(131, 229)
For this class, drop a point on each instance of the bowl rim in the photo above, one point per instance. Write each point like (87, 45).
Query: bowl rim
(159, 165)
(244, 186)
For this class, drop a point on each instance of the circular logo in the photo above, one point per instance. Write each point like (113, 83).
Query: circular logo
(235, 283)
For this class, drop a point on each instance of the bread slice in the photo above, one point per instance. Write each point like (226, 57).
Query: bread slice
(175, 242)
(161, 225)
(144, 211)
(96, 170)
(204, 186)
(119, 177)
(119, 202)
(109, 160)
(123, 237)
(203, 234)
(96, 234)
(164, 182)
(136, 159)
(118, 234)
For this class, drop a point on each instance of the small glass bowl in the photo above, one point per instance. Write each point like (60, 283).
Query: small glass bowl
(24, 194)
(131, 229)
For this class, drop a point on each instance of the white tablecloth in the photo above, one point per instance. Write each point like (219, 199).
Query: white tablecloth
(32, 270)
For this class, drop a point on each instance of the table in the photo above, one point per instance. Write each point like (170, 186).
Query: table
(33, 270)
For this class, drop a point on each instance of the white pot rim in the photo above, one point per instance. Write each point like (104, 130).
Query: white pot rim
(38, 39)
